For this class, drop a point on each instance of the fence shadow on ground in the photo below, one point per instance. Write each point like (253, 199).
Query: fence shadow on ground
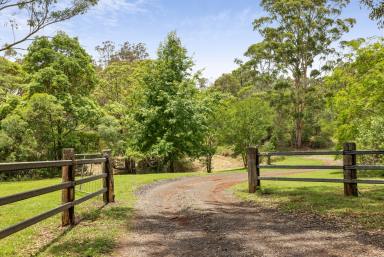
(87, 242)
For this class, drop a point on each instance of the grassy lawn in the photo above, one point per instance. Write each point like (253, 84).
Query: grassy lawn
(324, 199)
(95, 235)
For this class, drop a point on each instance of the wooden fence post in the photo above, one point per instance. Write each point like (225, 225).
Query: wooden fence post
(253, 170)
(350, 189)
(108, 196)
(68, 194)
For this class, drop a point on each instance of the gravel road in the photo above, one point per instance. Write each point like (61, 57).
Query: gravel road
(198, 216)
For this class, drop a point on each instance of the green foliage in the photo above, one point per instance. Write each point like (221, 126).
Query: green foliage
(246, 123)
(227, 83)
(357, 90)
(56, 109)
(170, 122)
(213, 102)
(376, 8)
(59, 66)
(11, 79)
(120, 93)
(295, 33)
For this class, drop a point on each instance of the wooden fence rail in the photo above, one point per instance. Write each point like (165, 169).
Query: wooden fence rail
(349, 168)
(67, 186)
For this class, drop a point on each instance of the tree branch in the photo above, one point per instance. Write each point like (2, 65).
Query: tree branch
(14, 4)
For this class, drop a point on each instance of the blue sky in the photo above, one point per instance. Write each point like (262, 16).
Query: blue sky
(215, 32)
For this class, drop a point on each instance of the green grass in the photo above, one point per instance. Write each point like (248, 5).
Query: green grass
(324, 199)
(294, 160)
(96, 234)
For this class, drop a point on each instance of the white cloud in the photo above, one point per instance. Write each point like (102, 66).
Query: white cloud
(108, 11)
(119, 5)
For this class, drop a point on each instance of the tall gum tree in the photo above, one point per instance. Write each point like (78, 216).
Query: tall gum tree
(376, 8)
(295, 33)
(37, 14)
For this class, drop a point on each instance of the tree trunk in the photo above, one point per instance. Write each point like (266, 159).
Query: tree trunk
(299, 132)
(172, 166)
(299, 111)
(130, 165)
(245, 160)
(209, 163)
(59, 145)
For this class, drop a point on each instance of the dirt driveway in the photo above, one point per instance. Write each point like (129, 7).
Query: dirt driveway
(197, 216)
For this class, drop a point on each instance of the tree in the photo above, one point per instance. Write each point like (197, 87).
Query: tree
(40, 14)
(106, 50)
(119, 81)
(170, 123)
(246, 123)
(227, 83)
(131, 52)
(213, 103)
(16, 139)
(357, 93)
(295, 33)
(119, 93)
(57, 106)
(11, 79)
(377, 10)
(280, 100)
(128, 52)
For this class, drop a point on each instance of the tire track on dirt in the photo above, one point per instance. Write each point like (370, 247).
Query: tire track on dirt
(198, 216)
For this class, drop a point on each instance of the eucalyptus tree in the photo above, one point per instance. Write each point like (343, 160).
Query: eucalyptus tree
(127, 52)
(376, 8)
(37, 15)
(295, 34)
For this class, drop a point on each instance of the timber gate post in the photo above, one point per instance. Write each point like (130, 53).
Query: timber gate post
(253, 169)
(109, 195)
(68, 194)
(350, 189)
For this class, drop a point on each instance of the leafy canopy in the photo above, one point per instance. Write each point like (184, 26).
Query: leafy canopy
(358, 93)
(295, 33)
(56, 110)
(170, 120)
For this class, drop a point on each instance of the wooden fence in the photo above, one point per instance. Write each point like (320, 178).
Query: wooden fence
(68, 166)
(349, 168)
